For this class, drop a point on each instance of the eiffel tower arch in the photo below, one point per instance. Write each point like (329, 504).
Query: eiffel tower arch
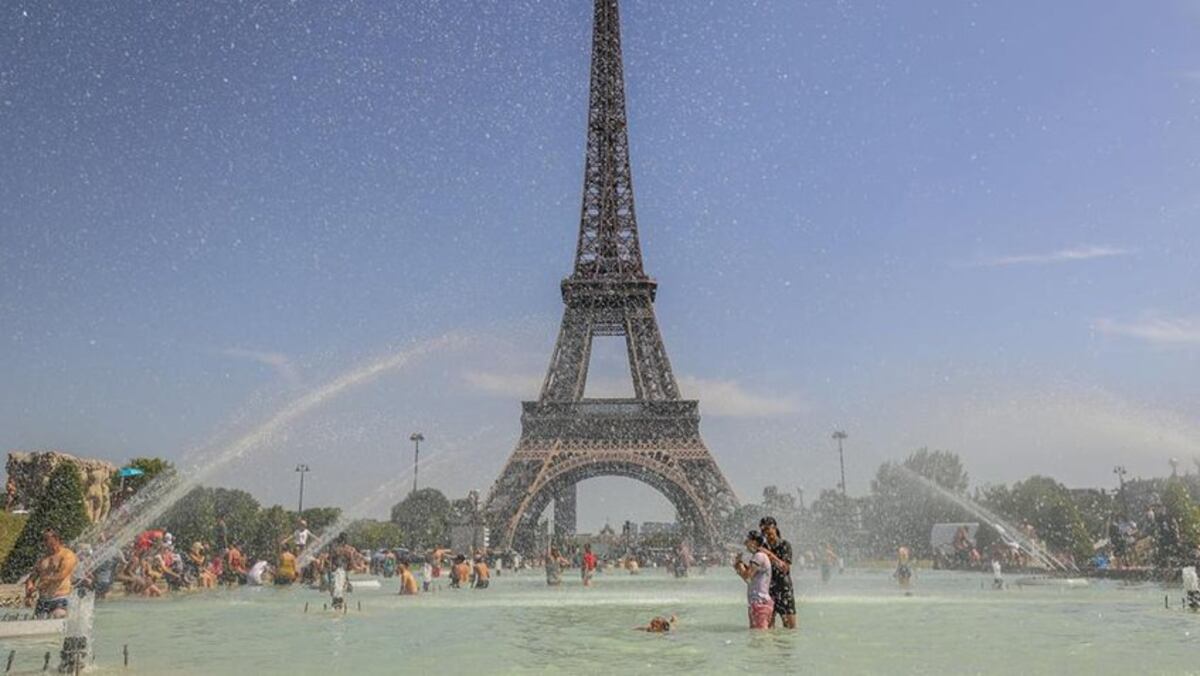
(653, 437)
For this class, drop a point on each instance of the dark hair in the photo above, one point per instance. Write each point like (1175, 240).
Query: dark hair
(756, 536)
(767, 521)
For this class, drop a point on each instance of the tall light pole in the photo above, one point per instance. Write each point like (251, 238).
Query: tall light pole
(416, 438)
(1119, 470)
(302, 469)
(839, 435)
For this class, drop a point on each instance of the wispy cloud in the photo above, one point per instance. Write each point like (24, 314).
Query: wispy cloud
(729, 398)
(724, 398)
(1165, 331)
(1081, 253)
(276, 360)
(519, 385)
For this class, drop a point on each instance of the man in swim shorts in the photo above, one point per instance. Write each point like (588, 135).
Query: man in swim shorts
(51, 578)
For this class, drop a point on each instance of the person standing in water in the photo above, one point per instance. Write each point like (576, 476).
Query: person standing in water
(426, 574)
(827, 562)
(757, 575)
(460, 573)
(588, 567)
(779, 551)
(480, 575)
(903, 572)
(51, 578)
(554, 566)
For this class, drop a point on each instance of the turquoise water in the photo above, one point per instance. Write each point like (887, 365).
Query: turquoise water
(859, 623)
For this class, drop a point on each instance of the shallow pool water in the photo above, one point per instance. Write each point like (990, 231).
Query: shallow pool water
(858, 623)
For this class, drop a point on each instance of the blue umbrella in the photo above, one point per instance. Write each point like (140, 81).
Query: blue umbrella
(130, 471)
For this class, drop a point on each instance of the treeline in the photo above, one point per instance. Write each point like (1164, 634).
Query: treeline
(218, 517)
(901, 510)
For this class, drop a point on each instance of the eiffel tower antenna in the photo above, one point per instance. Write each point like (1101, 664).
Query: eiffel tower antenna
(654, 436)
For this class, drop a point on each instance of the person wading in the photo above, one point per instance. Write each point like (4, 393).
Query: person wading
(779, 551)
(51, 578)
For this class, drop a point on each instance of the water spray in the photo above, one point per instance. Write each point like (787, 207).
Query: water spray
(137, 514)
(1006, 530)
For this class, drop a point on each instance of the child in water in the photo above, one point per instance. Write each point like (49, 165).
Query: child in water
(659, 625)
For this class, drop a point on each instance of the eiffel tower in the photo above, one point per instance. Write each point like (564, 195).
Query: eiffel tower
(566, 438)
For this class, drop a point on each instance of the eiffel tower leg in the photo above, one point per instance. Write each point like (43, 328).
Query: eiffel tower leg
(564, 513)
(567, 377)
(648, 360)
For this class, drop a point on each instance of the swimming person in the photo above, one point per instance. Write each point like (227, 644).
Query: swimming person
(51, 578)
(757, 574)
(588, 565)
(903, 572)
(659, 625)
(780, 552)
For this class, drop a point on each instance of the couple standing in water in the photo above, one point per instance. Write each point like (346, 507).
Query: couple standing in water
(768, 576)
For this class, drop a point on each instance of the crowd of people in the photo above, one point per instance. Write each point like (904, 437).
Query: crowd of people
(153, 566)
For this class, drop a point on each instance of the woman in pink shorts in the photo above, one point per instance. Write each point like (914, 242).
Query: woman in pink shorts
(757, 574)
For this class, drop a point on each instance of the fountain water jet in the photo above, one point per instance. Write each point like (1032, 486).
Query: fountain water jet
(1006, 530)
(138, 514)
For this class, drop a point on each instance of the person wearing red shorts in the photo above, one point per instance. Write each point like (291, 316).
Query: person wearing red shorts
(757, 574)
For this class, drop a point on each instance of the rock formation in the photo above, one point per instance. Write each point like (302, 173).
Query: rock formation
(28, 473)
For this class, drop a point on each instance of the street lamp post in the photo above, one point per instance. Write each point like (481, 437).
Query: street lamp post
(1119, 470)
(302, 469)
(416, 438)
(839, 435)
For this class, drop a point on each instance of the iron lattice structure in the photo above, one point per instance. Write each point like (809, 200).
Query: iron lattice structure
(566, 438)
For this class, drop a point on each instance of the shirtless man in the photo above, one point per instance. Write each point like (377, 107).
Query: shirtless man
(480, 575)
(51, 578)
(460, 574)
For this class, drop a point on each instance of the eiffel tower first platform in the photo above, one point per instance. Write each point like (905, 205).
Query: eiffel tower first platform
(653, 437)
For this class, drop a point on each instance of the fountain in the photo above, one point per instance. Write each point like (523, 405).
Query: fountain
(139, 513)
(1007, 531)
(151, 502)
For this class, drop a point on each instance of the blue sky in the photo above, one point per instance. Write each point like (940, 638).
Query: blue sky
(964, 225)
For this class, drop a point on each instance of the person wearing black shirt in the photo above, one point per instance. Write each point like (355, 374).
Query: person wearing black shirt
(780, 553)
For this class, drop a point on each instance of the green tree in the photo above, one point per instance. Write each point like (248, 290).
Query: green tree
(193, 518)
(1178, 530)
(320, 518)
(60, 506)
(422, 516)
(151, 469)
(239, 509)
(373, 534)
(902, 509)
(271, 526)
(1047, 506)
